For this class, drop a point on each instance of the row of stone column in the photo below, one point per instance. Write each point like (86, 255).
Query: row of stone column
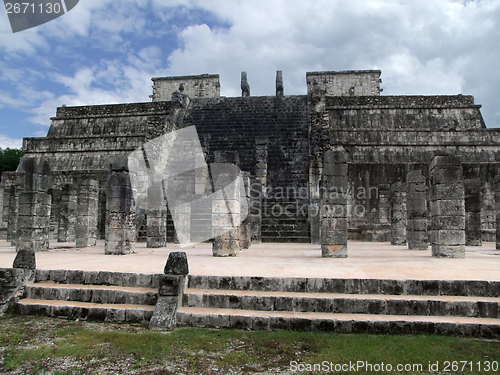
(450, 200)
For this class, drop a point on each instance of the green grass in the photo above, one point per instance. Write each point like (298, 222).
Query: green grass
(36, 345)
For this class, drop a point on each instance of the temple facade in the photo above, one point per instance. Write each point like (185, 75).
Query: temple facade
(340, 163)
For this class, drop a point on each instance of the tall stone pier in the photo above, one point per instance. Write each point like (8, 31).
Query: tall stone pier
(86, 217)
(416, 205)
(14, 210)
(120, 211)
(258, 188)
(67, 214)
(34, 206)
(156, 217)
(226, 210)
(398, 213)
(497, 210)
(473, 230)
(245, 235)
(447, 205)
(333, 205)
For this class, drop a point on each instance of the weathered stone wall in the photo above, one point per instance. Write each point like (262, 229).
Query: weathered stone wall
(346, 83)
(281, 141)
(447, 234)
(266, 133)
(7, 187)
(201, 86)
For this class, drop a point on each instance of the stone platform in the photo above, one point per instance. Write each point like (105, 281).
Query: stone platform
(367, 260)
(379, 288)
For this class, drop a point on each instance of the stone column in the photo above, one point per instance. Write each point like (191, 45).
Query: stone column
(120, 211)
(398, 213)
(34, 206)
(473, 230)
(257, 189)
(13, 213)
(156, 217)
(67, 214)
(384, 208)
(225, 213)
(333, 206)
(86, 217)
(55, 212)
(447, 235)
(497, 210)
(416, 206)
(245, 235)
(7, 182)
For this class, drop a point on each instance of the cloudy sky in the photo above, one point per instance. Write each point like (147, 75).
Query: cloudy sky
(106, 51)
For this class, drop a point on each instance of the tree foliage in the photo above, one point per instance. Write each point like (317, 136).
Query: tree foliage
(9, 159)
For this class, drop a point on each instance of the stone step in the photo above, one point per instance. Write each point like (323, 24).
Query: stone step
(481, 307)
(125, 279)
(472, 288)
(86, 310)
(92, 293)
(338, 323)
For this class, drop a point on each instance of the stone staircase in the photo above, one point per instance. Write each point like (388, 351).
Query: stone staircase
(466, 308)
(91, 295)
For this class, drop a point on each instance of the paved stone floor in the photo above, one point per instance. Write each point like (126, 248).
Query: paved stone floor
(366, 260)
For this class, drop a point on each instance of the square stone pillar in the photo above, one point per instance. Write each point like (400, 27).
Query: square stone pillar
(226, 212)
(416, 206)
(245, 235)
(497, 209)
(13, 212)
(473, 230)
(447, 205)
(156, 217)
(120, 211)
(333, 205)
(34, 206)
(258, 188)
(55, 211)
(384, 207)
(86, 212)
(67, 214)
(398, 213)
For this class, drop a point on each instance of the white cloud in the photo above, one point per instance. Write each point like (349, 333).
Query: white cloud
(111, 81)
(422, 47)
(6, 141)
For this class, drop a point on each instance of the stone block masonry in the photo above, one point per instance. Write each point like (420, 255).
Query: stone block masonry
(416, 203)
(280, 139)
(120, 211)
(447, 205)
(198, 86)
(473, 230)
(15, 190)
(333, 197)
(156, 217)
(245, 235)
(226, 211)
(86, 218)
(346, 83)
(398, 213)
(67, 214)
(497, 209)
(34, 206)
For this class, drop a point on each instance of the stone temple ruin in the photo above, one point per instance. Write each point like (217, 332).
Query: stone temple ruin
(342, 162)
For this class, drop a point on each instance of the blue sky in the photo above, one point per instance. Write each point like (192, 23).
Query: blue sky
(106, 51)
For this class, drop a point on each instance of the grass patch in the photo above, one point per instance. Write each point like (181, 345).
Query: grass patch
(33, 345)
